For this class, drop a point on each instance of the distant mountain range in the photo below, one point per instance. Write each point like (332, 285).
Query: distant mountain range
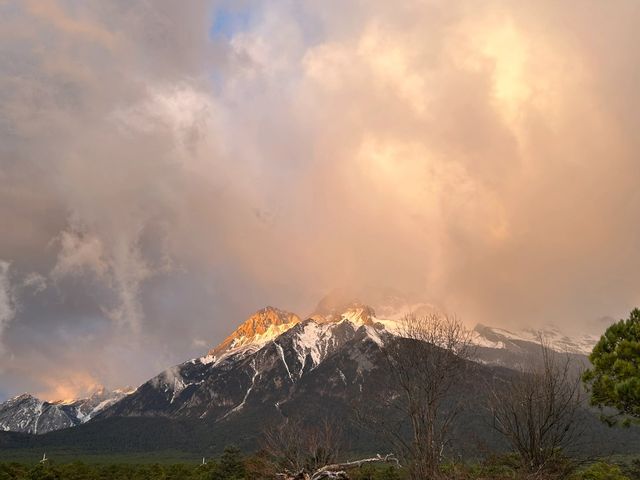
(28, 414)
(500, 338)
(277, 364)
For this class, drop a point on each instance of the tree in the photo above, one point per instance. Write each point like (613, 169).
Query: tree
(294, 445)
(614, 380)
(426, 360)
(302, 451)
(260, 467)
(538, 411)
(231, 464)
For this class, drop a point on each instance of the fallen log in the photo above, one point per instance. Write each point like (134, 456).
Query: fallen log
(337, 471)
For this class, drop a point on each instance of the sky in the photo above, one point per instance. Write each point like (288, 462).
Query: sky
(167, 168)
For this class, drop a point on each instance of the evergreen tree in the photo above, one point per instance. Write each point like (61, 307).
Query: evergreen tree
(232, 464)
(614, 380)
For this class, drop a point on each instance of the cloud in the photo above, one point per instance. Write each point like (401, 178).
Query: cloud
(121, 267)
(78, 253)
(7, 301)
(34, 282)
(165, 174)
(54, 15)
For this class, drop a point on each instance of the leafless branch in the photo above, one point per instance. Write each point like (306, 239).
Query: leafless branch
(427, 360)
(337, 470)
(296, 446)
(538, 411)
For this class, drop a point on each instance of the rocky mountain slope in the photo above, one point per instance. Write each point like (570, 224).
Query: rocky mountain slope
(265, 367)
(270, 359)
(271, 355)
(499, 338)
(28, 414)
(277, 365)
(261, 327)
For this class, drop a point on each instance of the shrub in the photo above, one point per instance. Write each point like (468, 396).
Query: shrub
(601, 471)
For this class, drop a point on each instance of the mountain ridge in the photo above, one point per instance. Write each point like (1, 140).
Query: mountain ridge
(28, 414)
(268, 354)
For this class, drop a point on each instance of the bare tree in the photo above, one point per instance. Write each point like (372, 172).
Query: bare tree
(427, 359)
(309, 452)
(294, 445)
(539, 411)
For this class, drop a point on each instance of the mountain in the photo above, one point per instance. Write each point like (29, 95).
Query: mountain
(260, 328)
(265, 368)
(28, 414)
(516, 350)
(499, 338)
(276, 365)
(270, 357)
(85, 409)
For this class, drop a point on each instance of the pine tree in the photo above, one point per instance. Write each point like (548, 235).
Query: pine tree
(232, 464)
(614, 380)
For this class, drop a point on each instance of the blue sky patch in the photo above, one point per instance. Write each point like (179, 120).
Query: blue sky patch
(228, 21)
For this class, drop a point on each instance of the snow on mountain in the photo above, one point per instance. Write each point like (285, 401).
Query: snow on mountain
(85, 409)
(561, 342)
(260, 328)
(266, 359)
(395, 308)
(498, 338)
(391, 309)
(28, 414)
(314, 337)
(254, 365)
(333, 310)
(25, 413)
(276, 365)
(274, 356)
(268, 324)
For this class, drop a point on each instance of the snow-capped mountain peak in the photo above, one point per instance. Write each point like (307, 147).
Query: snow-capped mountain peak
(272, 355)
(269, 323)
(354, 312)
(499, 338)
(260, 328)
(85, 409)
(26, 413)
(21, 397)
